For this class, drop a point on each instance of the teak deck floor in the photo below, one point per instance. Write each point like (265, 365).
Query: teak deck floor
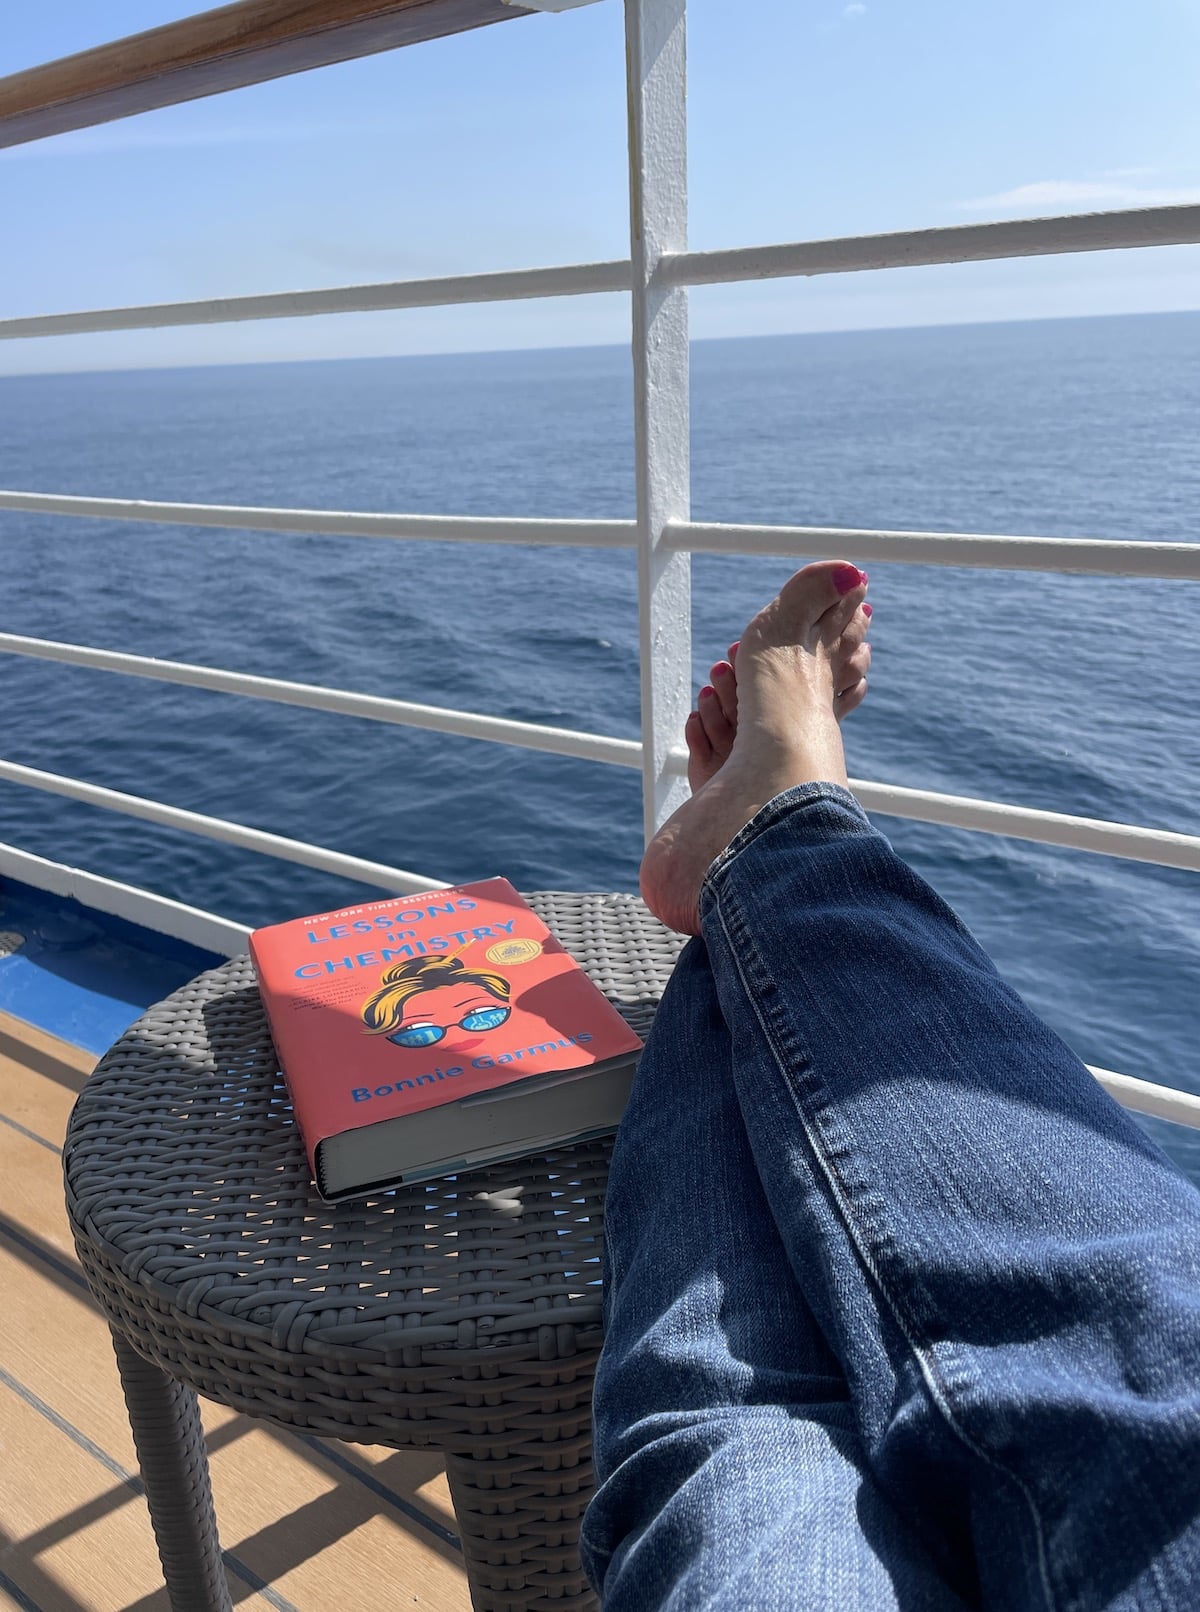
(306, 1524)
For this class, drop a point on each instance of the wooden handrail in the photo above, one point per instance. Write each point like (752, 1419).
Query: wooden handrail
(225, 49)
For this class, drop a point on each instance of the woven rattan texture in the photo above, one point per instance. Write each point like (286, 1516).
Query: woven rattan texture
(425, 1316)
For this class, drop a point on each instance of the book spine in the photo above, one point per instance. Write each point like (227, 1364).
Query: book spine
(307, 1135)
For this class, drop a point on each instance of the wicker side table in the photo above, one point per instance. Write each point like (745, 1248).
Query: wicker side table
(430, 1317)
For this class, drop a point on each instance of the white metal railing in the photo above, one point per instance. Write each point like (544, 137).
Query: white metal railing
(992, 551)
(219, 828)
(656, 276)
(203, 929)
(374, 707)
(955, 243)
(1092, 556)
(1164, 1102)
(1145, 1097)
(1160, 846)
(509, 285)
(334, 523)
(1128, 228)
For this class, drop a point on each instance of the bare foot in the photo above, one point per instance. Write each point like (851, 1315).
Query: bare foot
(801, 666)
(710, 729)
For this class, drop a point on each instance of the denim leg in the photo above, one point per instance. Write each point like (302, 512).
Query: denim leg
(731, 1475)
(1007, 1268)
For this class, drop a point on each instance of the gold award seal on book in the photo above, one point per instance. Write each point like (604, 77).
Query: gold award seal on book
(513, 951)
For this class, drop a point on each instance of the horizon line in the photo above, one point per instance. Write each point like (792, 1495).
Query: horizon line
(598, 346)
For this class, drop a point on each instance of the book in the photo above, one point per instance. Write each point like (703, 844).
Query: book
(426, 1035)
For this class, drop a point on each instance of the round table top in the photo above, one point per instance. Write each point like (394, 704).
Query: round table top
(195, 1218)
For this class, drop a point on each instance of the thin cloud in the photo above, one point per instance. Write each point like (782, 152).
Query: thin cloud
(849, 14)
(1065, 194)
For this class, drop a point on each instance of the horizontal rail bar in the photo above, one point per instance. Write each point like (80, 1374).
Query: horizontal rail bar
(955, 243)
(1096, 556)
(1161, 846)
(507, 285)
(226, 49)
(128, 901)
(1164, 1102)
(958, 243)
(334, 523)
(1077, 555)
(1128, 842)
(227, 938)
(218, 828)
(375, 708)
(1145, 1097)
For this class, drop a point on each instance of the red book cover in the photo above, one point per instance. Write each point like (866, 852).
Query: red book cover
(382, 1010)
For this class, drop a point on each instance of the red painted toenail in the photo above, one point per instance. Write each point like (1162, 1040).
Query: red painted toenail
(868, 611)
(847, 577)
(707, 689)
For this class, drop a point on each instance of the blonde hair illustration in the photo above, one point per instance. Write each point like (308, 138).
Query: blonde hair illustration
(385, 1010)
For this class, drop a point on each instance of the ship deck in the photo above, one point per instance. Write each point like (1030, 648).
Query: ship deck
(305, 1522)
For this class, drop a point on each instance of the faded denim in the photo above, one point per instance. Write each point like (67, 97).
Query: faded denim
(903, 1312)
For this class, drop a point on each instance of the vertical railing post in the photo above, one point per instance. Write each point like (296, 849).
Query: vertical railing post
(655, 37)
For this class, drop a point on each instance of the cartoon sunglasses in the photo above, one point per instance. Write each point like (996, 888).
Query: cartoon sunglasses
(428, 1035)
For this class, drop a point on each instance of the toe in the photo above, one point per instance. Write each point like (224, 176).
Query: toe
(718, 729)
(701, 760)
(725, 684)
(850, 699)
(855, 630)
(851, 587)
(822, 597)
(854, 668)
(838, 582)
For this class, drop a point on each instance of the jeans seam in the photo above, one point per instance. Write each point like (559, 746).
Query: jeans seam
(937, 1390)
(610, 1265)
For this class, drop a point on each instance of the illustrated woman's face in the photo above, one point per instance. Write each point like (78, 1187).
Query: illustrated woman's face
(430, 1014)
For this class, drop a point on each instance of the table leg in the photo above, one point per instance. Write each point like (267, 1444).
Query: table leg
(165, 1418)
(519, 1504)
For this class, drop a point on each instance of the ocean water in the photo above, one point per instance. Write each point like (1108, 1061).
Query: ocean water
(1076, 694)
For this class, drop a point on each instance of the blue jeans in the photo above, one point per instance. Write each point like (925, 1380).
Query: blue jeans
(903, 1312)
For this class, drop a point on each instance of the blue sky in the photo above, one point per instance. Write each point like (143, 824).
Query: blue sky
(506, 147)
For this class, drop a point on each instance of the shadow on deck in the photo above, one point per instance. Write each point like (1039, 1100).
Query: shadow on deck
(306, 1523)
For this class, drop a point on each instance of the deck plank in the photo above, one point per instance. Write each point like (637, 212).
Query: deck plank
(324, 1524)
(40, 1077)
